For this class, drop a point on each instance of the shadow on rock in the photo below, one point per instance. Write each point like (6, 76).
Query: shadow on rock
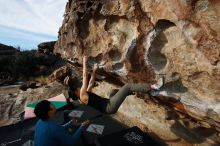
(194, 134)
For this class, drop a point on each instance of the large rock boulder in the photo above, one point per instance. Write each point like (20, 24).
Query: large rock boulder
(169, 125)
(60, 74)
(138, 40)
(46, 47)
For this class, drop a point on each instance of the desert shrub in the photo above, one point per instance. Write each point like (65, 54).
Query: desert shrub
(25, 64)
(22, 65)
(6, 64)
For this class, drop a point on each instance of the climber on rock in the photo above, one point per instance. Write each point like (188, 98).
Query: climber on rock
(83, 95)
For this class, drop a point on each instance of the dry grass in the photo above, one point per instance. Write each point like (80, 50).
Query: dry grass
(41, 79)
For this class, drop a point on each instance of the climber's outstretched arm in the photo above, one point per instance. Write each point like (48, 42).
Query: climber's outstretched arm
(92, 79)
(83, 90)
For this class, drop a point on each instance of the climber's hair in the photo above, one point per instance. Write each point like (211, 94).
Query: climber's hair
(73, 87)
(41, 110)
(72, 94)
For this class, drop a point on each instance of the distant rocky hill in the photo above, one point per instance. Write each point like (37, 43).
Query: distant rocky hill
(23, 65)
(8, 50)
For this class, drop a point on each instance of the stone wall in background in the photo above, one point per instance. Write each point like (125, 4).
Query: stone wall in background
(139, 40)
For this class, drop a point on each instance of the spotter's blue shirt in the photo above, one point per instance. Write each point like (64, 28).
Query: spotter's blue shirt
(49, 133)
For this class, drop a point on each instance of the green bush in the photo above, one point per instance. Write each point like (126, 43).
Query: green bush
(23, 65)
(6, 63)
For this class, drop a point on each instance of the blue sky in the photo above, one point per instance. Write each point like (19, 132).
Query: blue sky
(26, 23)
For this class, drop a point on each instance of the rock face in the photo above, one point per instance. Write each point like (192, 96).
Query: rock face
(138, 40)
(46, 47)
